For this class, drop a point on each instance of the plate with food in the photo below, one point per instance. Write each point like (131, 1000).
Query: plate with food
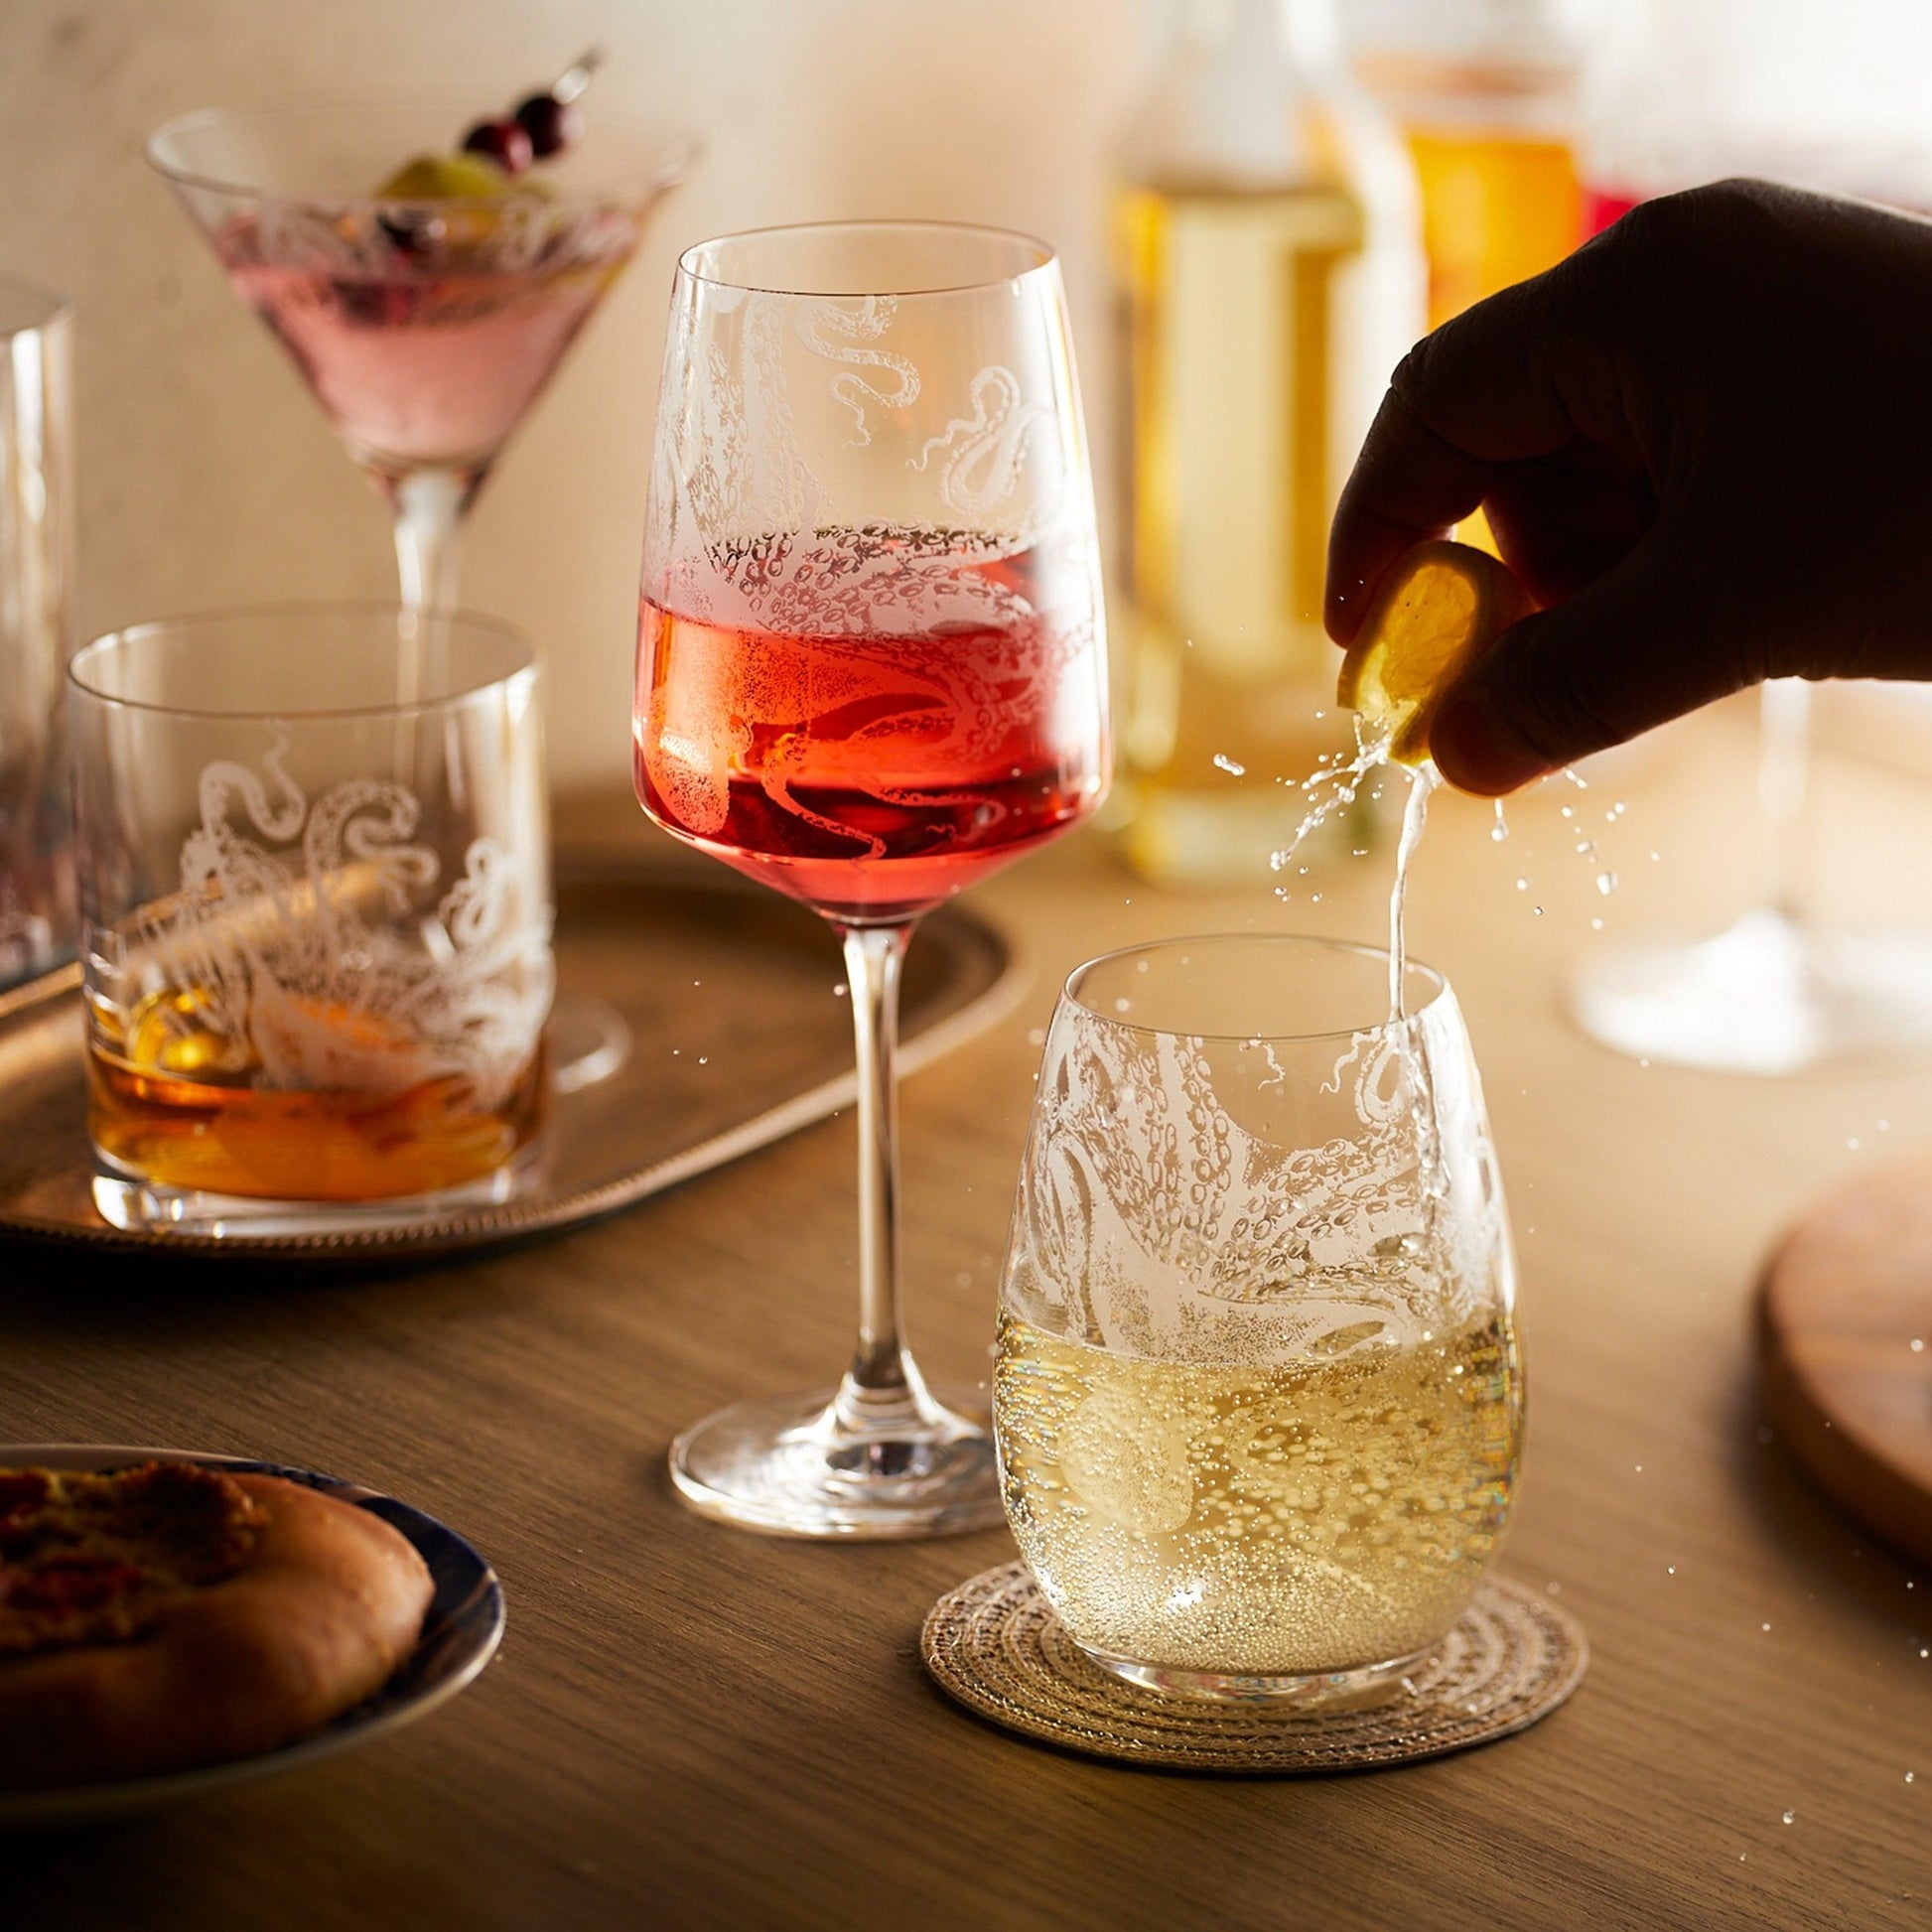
(170, 1622)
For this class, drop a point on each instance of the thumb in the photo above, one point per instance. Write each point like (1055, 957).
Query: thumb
(1632, 650)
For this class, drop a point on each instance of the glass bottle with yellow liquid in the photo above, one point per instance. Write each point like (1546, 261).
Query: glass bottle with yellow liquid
(1270, 277)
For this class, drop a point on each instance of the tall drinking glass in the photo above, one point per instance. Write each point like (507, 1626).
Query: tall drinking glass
(35, 543)
(869, 671)
(1258, 1396)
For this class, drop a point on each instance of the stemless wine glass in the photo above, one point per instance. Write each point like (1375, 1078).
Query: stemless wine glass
(1258, 1397)
(869, 670)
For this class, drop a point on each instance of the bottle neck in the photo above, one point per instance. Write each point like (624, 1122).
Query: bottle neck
(1300, 35)
(1232, 91)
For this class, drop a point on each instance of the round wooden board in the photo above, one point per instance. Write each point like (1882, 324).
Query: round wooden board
(1844, 1302)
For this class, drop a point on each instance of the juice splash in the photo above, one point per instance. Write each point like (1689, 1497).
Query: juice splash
(1438, 607)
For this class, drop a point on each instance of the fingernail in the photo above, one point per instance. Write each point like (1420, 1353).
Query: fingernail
(1477, 752)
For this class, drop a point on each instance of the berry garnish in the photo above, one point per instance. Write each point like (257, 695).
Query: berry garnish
(551, 124)
(508, 143)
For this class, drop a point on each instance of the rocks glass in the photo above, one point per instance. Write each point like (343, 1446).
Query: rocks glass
(313, 880)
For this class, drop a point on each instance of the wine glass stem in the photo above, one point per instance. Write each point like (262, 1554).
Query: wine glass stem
(1783, 770)
(429, 519)
(883, 1387)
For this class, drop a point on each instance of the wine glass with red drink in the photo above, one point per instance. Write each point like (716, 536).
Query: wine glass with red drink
(871, 670)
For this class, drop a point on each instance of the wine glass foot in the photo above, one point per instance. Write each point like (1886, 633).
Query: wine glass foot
(790, 1466)
(1767, 995)
(590, 1040)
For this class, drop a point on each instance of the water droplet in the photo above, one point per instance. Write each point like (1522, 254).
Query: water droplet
(1278, 860)
(704, 1059)
(1229, 765)
(1596, 925)
(1037, 1037)
(1670, 1569)
(841, 991)
(1576, 779)
(1763, 1626)
(1570, 811)
(1918, 1344)
(1314, 898)
(1538, 911)
(1656, 855)
(1851, 1140)
(1606, 883)
(1500, 830)
(1123, 1005)
(1522, 884)
(1885, 1127)
(1642, 1062)
(1790, 1817)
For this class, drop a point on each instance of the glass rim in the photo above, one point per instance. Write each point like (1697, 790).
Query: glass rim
(525, 670)
(679, 149)
(51, 308)
(1046, 256)
(1361, 949)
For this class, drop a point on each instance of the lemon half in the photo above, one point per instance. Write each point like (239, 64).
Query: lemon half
(1438, 608)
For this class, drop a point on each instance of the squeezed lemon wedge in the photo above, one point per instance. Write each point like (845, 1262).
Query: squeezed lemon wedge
(1437, 609)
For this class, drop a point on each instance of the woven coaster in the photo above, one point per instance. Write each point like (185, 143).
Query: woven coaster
(996, 1646)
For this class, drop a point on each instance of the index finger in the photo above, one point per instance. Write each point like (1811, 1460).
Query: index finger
(1407, 483)
(1486, 388)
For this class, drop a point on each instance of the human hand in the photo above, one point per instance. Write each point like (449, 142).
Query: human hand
(1703, 442)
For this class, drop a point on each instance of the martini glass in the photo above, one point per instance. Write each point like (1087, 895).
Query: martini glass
(425, 329)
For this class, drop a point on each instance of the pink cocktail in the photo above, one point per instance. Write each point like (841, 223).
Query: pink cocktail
(422, 361)
(871, 777)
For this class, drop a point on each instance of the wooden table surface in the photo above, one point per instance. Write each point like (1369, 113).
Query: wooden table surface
(691, 1727)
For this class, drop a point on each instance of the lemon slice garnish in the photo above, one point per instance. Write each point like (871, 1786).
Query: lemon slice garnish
(447, 178)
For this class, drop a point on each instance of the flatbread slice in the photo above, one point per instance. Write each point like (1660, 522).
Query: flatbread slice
(327, 1602)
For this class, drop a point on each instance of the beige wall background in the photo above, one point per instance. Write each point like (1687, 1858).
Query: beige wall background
(206, 474)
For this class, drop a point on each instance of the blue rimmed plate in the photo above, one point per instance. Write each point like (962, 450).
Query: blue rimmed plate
(461, 1631)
